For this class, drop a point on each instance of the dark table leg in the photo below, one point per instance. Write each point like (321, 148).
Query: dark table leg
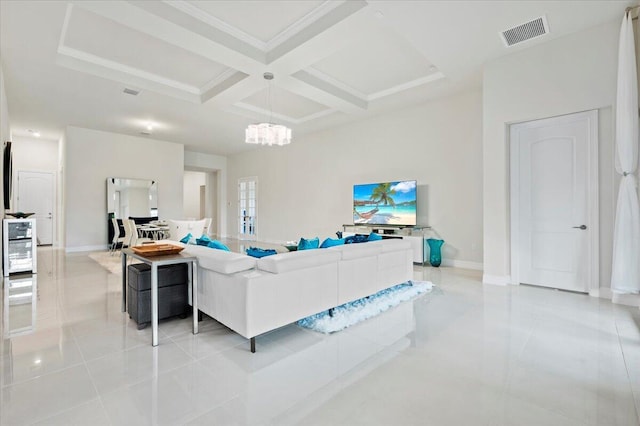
(124, 282)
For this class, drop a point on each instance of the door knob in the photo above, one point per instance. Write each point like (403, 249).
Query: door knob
(583, 227)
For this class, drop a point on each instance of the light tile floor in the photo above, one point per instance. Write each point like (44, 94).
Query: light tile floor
(466, 354)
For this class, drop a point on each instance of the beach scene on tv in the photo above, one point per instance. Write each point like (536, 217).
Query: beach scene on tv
(388, 203)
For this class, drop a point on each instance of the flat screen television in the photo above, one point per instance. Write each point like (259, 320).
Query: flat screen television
(385, 203)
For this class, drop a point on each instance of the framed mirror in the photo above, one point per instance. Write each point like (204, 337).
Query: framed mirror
(131, 198)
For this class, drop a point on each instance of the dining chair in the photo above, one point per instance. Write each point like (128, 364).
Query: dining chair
(128, 232)
(135, 239)
(178, 229)
(207, 226)
(117, 239)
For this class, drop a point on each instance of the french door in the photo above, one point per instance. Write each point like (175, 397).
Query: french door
(247, 208)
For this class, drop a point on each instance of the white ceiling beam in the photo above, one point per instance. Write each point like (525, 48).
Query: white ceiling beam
(315, 28)
(141, 17)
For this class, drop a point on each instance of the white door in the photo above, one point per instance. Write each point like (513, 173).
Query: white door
(247, 208)
(35, 194)
(554, 202)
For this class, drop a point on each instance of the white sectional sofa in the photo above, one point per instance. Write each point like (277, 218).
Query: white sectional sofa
(252, 296)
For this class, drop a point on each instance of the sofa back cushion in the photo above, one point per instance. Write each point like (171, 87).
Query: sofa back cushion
(391, 244)
(355, 251)
(294, 260)
(224, 262)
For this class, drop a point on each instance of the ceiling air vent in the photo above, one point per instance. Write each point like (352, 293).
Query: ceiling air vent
(527, 31)
(131, 91)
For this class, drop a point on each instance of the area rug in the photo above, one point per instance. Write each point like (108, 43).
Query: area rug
(110, 262)
(359, 310)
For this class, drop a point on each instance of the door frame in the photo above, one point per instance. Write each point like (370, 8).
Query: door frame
(593, 213)
(54, 200)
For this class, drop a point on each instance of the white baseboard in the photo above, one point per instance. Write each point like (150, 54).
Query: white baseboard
(618, 299)
(626, 299)
(86, 248)
(496, 279)
(464, 264)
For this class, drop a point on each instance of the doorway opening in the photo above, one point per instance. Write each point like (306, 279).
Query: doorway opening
(200, 198)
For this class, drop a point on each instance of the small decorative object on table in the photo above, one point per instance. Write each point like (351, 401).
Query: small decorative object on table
(435, 256)
(148, 250)
(291, 245)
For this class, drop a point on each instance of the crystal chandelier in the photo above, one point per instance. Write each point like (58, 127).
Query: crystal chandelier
(268, 133)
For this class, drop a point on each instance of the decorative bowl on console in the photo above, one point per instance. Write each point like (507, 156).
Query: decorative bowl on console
(19, 215)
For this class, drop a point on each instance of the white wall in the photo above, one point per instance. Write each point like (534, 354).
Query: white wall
(4, 116)
(4, 133)
(191, 194)
(91, 157)
(305, 189)
(36, 155)
(570, 74)
(212, 209)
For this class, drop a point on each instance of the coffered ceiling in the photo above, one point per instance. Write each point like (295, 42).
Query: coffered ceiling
(199, 65)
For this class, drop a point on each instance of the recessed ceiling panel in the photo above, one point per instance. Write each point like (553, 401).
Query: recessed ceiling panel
(375, 63)
(285, 103)
(102, 37)
(260, 19)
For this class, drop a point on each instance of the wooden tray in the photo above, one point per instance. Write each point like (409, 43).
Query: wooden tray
(157, 249)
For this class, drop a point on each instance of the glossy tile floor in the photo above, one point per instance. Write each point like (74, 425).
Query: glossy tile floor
(466, 354)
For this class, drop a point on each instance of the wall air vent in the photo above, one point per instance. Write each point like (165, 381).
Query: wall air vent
(131, 91)
(527, 31)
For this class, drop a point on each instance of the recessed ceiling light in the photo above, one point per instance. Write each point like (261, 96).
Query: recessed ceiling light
(34, 133)
(379, 14)
(148, 129)
(433, 68)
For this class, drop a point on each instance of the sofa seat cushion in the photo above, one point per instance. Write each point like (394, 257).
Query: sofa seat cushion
(224, 262)
(295, 260)
(356, 251)
(392, 244)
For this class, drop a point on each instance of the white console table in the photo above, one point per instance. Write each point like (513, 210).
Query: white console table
(416, 235)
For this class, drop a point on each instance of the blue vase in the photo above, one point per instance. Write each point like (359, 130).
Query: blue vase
(435, 256)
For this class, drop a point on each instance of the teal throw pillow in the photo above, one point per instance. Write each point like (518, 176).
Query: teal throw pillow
(215, 244)
(330, 242)
(258, 252)
(305, 244)
(186, 238)
(374, 237)
(204, 240)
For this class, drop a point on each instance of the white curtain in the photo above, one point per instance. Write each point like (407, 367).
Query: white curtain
(625, 276)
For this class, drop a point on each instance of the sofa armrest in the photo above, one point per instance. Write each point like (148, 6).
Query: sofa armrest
(224, 262)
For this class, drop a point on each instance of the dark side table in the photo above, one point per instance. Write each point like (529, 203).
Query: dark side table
(155, 262)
